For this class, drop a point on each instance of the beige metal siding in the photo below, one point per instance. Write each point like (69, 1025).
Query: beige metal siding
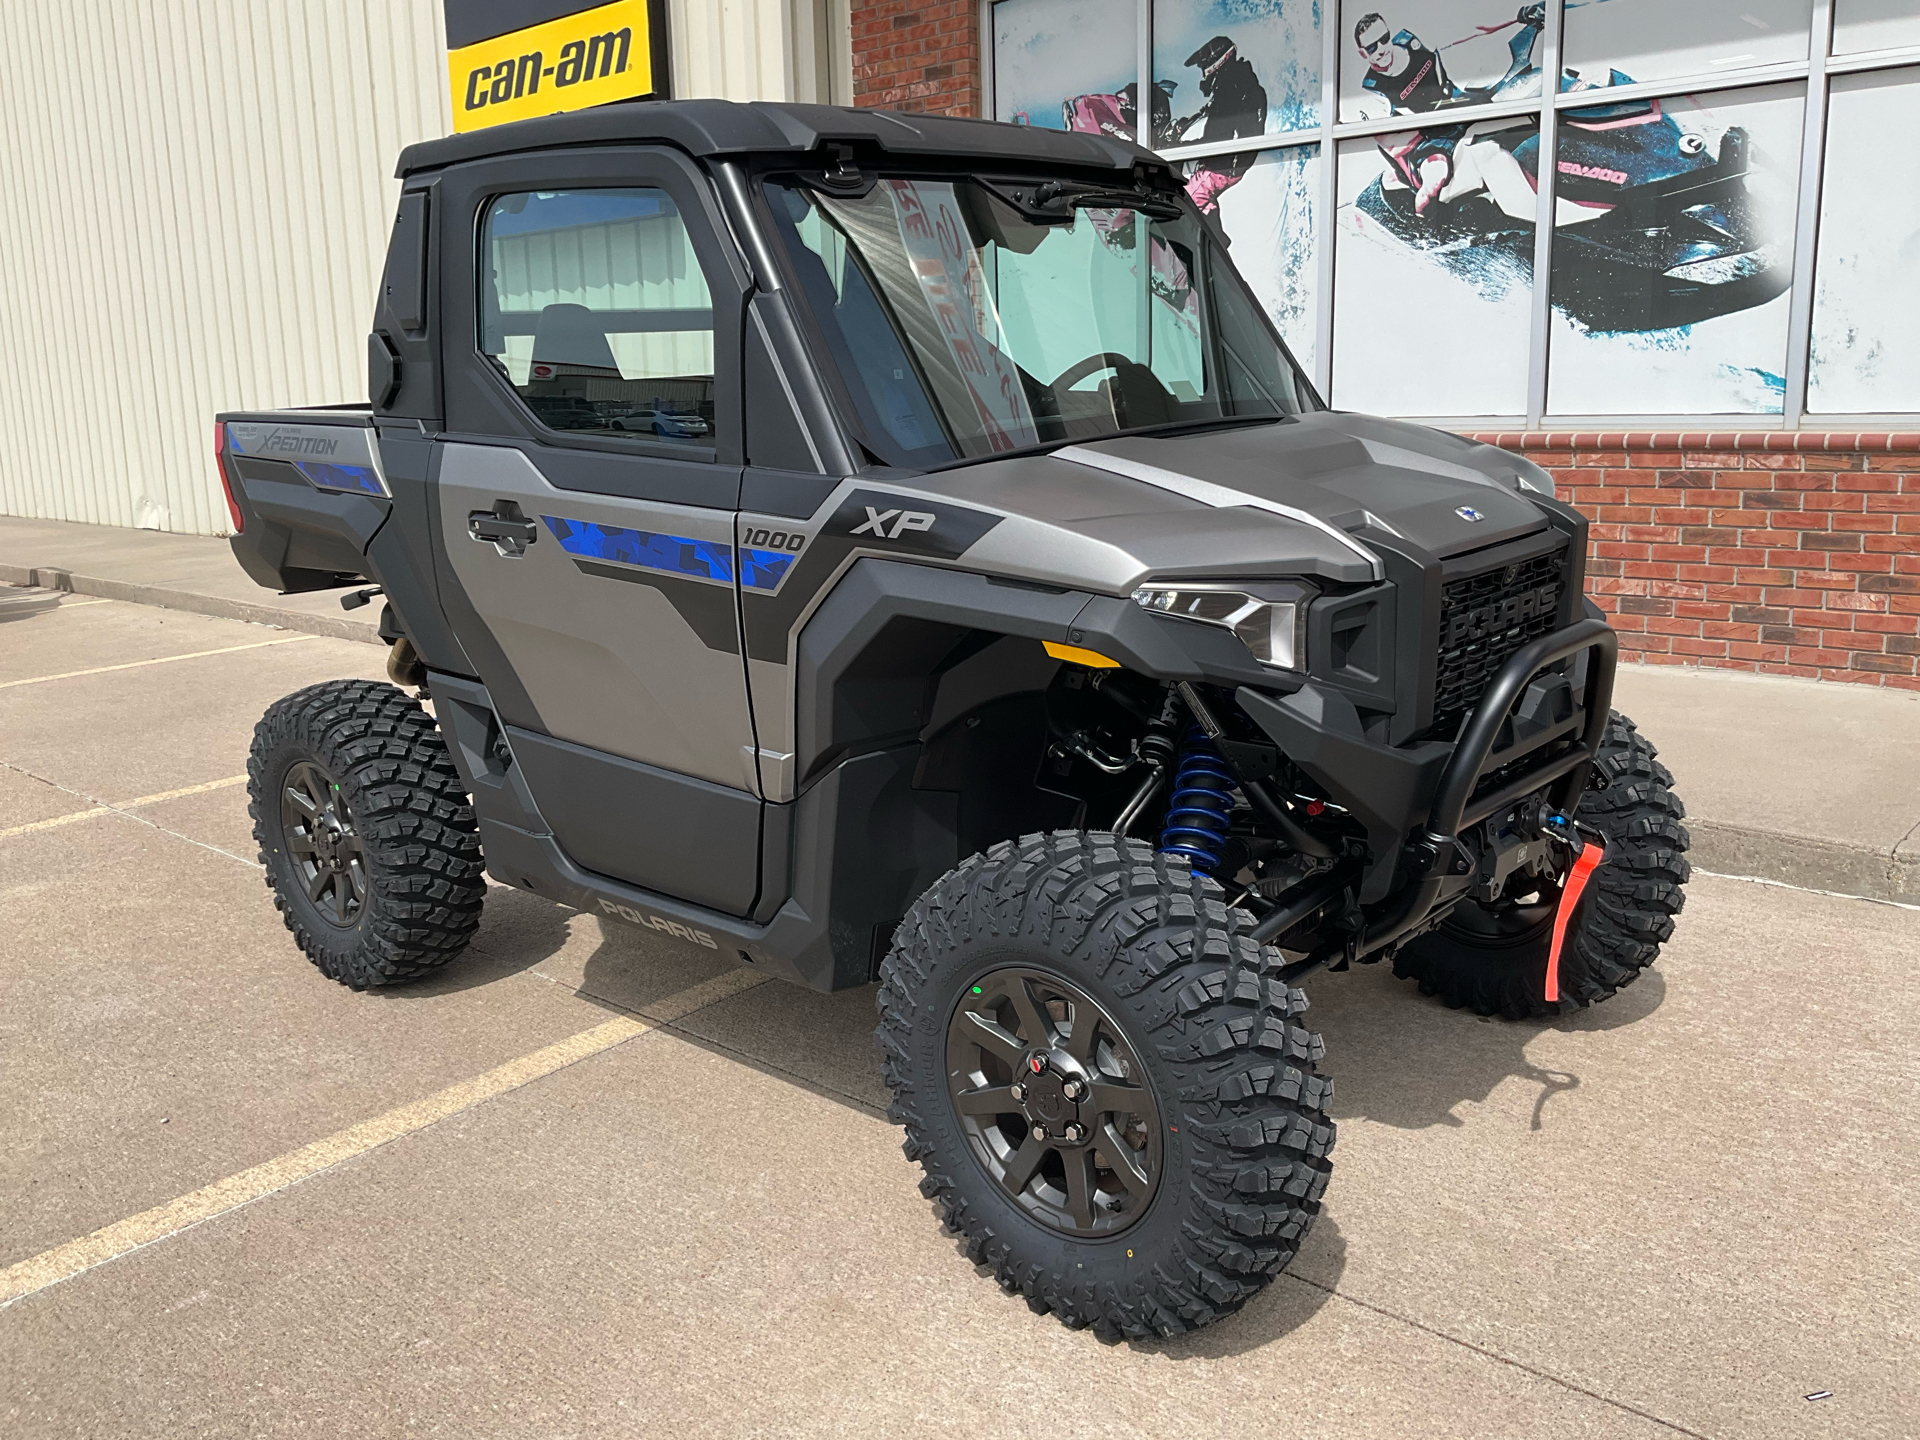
(194, 199)
(194, 202)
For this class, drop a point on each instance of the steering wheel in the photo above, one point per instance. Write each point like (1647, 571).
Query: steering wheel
(1136, 394)
(1081, 369)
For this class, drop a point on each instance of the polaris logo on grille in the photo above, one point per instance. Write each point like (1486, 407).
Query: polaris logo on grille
(1469, 514)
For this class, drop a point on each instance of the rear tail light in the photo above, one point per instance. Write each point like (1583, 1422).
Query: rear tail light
(226, 478)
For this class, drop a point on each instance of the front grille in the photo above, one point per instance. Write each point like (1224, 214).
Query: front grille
(1483, 620)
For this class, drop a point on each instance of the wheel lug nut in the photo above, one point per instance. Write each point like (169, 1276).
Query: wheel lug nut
(1074, 1089)
(1075, 1134)
(1037, 1063)
(1039, 1132)
(1019, 1091)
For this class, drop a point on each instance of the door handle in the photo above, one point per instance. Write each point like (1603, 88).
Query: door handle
(504, 527)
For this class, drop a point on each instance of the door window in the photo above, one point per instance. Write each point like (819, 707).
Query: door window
(594, 308)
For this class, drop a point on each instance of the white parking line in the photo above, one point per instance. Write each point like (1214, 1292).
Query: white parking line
(63, 1262)
(162, 660)
(101, 807)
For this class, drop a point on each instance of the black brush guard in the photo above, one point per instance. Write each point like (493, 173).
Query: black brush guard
(1434, 856)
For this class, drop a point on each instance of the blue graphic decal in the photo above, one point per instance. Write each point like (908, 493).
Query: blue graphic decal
(764, 569)
(674, 554)
(357, 478)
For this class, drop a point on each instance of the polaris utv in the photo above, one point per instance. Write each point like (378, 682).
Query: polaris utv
(1017, 628)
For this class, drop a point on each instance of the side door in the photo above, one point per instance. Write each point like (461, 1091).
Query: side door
(587, 483)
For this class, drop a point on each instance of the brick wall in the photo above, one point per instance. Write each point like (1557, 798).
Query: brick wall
(1787, 553)
(909, 55)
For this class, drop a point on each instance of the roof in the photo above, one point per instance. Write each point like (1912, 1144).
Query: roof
(722, 127)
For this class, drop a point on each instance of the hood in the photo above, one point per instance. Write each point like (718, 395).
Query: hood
(1306, 497)
(1348, 472)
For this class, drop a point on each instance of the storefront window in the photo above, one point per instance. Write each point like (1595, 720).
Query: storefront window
(1635, 41)
(1874, 25)
(1269, 211)
(1432, 301)
(1066, 64)
(1234, 69)
(1678, 253)
(1673, 255)
(1866, 299)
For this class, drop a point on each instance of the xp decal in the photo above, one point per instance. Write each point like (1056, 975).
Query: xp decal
(909, 526)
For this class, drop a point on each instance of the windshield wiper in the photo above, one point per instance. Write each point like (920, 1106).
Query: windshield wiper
(1055, 200)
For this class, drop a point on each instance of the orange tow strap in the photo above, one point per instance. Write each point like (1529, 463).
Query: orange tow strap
(1583, 869)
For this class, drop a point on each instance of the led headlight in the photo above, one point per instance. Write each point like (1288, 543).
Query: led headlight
(1270, 617)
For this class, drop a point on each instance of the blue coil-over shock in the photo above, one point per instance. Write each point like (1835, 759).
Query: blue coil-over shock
(1198, 811)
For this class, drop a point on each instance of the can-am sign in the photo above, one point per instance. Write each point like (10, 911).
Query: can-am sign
(576, 56)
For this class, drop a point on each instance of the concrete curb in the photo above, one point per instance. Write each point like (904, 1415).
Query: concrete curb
(1725, 849)
(49, 577)
(1804, 861)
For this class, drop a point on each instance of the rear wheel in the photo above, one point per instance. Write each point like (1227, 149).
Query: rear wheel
(1105, 1081)
(369, 844)
(1493, 958)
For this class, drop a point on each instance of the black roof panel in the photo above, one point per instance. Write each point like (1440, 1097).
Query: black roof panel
(722, 127)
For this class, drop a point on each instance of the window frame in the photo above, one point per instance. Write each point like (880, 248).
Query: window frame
(480, 398)
(1816, 71)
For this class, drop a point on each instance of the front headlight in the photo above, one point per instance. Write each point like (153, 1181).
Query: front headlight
(1270, 617)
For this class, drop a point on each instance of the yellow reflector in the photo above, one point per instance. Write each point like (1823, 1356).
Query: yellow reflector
(1074, 655)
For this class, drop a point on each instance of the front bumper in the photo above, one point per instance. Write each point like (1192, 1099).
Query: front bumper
(1417, 801)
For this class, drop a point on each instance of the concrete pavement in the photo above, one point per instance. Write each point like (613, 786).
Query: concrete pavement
(1676, 1214)
(1815, 785)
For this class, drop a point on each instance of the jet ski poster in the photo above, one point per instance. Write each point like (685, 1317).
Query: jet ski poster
(1673, 225)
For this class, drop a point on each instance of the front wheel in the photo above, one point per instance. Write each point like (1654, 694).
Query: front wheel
(1104, 1079)
(1493, 958)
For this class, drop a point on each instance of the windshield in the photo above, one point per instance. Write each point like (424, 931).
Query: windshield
(970, 318)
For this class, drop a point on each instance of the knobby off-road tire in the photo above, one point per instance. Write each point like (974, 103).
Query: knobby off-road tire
(1243, 1134)
(408, 897)
(1624, 917)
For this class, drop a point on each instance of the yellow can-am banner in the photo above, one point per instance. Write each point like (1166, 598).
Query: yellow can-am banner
(590, 58)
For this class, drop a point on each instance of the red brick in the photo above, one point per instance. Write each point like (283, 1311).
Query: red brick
(1643, 605)
(1699, 647)
(1699, 610)
(1832, 462)
(1893, 462)
(1886, 624)
(1884, 664)
(1875, 483)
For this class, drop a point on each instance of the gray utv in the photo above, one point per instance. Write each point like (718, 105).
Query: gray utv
(886, 548)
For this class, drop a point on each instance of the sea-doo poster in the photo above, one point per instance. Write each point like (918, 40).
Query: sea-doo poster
(1673, 255)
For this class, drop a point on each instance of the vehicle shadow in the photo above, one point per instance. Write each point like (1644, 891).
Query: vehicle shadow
(1403, 1059)
(517, 932)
